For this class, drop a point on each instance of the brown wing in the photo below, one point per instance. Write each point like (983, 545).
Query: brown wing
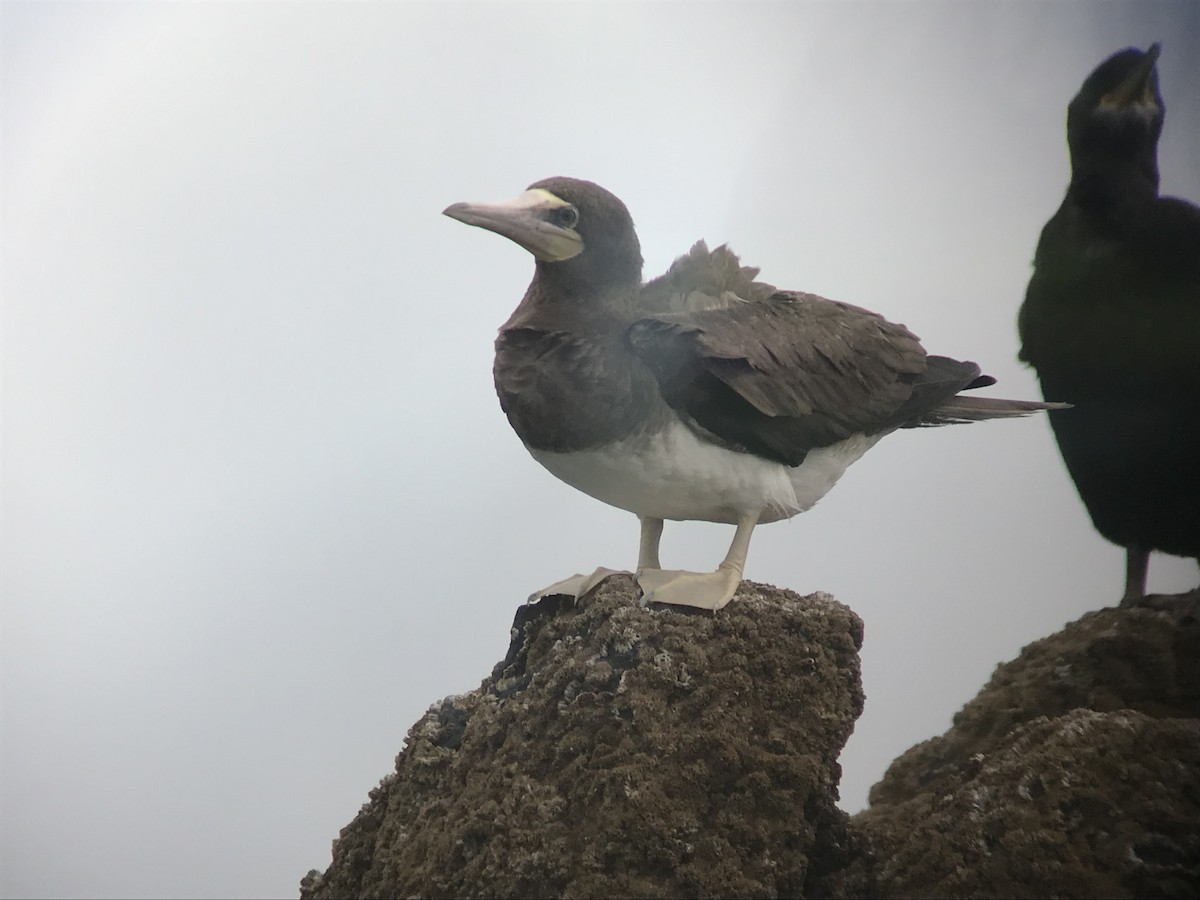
(784, 375)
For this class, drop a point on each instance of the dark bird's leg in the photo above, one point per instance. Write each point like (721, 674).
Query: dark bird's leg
(648, 547)
(1137, 560)
(704, 590)
(1183, 605)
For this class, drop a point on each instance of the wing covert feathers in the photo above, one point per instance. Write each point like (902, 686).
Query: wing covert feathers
(782, 375)
(779, 373)
(703, 279)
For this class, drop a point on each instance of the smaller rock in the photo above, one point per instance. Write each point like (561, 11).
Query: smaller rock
(1074, 773)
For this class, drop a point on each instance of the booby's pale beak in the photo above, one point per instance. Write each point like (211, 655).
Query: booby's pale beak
(537, 220)
(1135, 88)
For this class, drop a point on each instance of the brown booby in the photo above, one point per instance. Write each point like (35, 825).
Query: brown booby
(1111, 322)
(702, 394)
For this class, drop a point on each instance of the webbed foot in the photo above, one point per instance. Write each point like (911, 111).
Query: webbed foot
(703, 590)
(577, 586)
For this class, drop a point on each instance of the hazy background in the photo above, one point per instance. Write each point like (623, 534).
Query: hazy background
(260, 505)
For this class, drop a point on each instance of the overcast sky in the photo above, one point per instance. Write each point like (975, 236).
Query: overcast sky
(260, 505)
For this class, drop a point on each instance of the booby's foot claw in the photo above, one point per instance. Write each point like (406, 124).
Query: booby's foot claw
(577, 586)
(702, 590)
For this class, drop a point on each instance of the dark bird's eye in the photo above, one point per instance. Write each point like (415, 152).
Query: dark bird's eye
(566, 216)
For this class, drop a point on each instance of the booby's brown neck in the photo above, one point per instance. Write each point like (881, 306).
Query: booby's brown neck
(565, 299)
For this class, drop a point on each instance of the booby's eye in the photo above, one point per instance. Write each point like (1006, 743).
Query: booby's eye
(565, 216)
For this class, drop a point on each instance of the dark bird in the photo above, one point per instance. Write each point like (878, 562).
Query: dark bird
(702, 394)
(1111, 322)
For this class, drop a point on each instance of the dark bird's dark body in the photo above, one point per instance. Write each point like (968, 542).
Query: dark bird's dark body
(702, 394)
(1111, 322)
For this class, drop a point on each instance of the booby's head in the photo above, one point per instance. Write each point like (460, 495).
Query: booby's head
(1118, 113)
(576, 230)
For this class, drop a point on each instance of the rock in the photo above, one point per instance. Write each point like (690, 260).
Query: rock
(622, 751)
(1074, 773)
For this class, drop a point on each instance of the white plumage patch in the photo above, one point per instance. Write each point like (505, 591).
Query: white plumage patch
(675, 475)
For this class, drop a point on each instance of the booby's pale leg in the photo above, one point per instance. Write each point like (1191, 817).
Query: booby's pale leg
(648, 547)
(1137, 560)
(576, 586)
(703, 590)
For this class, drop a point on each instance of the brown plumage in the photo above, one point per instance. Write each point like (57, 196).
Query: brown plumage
(703, 393)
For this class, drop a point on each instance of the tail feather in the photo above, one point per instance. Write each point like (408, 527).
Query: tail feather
(959, 409)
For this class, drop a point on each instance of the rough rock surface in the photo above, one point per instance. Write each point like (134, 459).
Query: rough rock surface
(621, 751)
(1075, 772)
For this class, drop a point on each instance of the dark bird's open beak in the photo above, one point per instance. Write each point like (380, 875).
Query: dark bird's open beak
(1135, 88)
(525, 220)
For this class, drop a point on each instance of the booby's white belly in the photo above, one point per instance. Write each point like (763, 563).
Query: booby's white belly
(676, 475)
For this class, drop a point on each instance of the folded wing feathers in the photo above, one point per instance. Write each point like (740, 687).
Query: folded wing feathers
(800, 353)
(820, 369)
(959, 409)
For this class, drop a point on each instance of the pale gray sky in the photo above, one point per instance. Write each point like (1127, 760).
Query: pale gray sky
(260, 506)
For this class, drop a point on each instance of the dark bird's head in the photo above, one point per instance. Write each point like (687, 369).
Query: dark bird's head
(1117, 115)
(579, 233)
